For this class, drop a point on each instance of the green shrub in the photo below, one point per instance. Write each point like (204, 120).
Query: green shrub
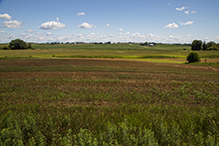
(214, 47)
(193, 57)
(6, 48)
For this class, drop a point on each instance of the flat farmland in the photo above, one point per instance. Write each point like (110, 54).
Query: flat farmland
(125, 51)
(103, 102)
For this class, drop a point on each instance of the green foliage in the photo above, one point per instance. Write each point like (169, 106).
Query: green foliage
(17, 44)
(6, 48)
(29, 46)
(91, 102)
(213, 47)
(193, 57)
(196, 45)
(211, 43)
(204, 47)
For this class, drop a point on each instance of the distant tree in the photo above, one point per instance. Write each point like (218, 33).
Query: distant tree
(17, 44)
(196, 45)
(6, 48)
(144, 44)
(108, 42)
(204, 47)
(193, 57)
(29, 46)
(217, 45)
(211, 43)
(213, 47)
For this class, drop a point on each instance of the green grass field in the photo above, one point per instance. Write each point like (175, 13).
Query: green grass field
(125, 51)
(80, 96)
(107, 102)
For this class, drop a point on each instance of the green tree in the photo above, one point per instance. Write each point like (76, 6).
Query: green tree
(29, 45)
(196, 45)
(213, 47)
(193, 57)
(211, 43)
(17, 44)
(217, 45)
(204, 47)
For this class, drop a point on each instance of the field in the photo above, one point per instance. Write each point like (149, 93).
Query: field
(126, 51)
(47, 100)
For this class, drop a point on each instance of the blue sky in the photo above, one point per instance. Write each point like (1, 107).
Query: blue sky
(166, 21)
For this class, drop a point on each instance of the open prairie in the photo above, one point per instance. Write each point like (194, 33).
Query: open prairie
(108, 101)
(160, 53)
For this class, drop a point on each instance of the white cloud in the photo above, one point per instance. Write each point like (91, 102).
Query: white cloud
(5, 16)
(81, 14)
(172, 25)
(189, 35)
(108, 25)
(92, 37)
(30, 31)
(13, 24)
(127, 33)
(52, 25)
(78, 35)
(11, 36)
(23, 34)
(2, 31)
(187, 12)
(180, 9)
(171, 37)
(49, 33)
(193, 12)
(120, 29)
(92, 33)
(86, 25)
(187, 23)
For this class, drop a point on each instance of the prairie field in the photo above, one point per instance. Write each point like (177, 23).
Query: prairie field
(163, 52)
(92, 101)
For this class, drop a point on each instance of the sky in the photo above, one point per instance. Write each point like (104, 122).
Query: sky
(161, 21)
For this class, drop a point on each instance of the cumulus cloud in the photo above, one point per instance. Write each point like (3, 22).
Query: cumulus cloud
(187, 12)
(92, 33)
(49, 33)
(13, 24)
(81, 14)
(120, 29)
(30, 31)
(193, 12)
(2, 31)
(151, 35)
(23, 34)
(5, 16)
(187, 23)
(111, 35)
(86, 25)
(54, 25)
(127, 33)
(108, 25)
(180, 9)
(11, 36)
(172, 25)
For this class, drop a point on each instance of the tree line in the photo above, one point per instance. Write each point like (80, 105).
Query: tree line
(17, 44)
(199, 45)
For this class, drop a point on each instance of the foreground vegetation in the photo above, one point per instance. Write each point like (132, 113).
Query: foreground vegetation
(107, 102)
